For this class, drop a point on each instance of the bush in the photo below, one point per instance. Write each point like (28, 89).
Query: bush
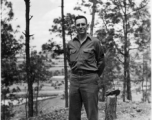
(6, 112)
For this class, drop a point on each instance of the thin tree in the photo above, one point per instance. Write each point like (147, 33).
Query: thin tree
(123, 12)
(93, 15)
(27, 35)
(65, 63)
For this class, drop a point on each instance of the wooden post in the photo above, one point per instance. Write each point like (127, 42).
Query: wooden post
(110, 109)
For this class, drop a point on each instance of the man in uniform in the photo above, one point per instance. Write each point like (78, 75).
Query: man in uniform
(86, 60)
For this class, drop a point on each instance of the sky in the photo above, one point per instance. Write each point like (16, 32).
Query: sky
(43, 13)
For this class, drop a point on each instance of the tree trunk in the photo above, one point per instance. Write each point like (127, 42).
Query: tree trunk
(65, 63)
(4, 108)
(125, 79)
(110, 109)
(103, 93)
(129, 97)
(27, 34)
(146, 93)
(143, 80)
(125, 51)
(37, 94)
(103, 89)
(143, 89)
(26, 102)
(93, 16)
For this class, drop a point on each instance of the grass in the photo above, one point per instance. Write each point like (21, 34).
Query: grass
(125, 111)
(46, 90)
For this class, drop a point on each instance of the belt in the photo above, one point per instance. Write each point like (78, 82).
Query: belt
(83, 72)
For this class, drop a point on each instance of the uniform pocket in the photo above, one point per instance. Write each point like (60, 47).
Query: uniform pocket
(72, 51)
(72, 54)
(87, 51)
(88, 54)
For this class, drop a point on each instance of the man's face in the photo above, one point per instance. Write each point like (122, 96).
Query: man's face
(81, 26)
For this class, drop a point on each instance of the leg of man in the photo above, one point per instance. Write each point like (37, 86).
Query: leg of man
(75, 99)
(89, 91)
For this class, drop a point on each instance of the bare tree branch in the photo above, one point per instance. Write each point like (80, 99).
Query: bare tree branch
(119, 6)
(119, 59)
(24, 33)
(29, 35)
(132, 48)
(137, 9)
(119, 49)
(31, 17)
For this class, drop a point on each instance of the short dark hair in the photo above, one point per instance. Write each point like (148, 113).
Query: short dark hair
(79, 17)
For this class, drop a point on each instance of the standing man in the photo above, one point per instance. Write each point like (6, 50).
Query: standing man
(86, 60)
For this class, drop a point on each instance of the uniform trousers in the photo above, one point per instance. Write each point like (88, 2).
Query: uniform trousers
(83, 90)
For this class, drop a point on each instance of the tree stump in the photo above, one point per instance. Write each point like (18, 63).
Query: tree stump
(110, 107)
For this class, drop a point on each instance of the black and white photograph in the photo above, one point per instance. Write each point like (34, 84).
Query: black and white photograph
(75, 59)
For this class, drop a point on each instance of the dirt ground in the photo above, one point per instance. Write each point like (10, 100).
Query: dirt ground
(54, 109)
